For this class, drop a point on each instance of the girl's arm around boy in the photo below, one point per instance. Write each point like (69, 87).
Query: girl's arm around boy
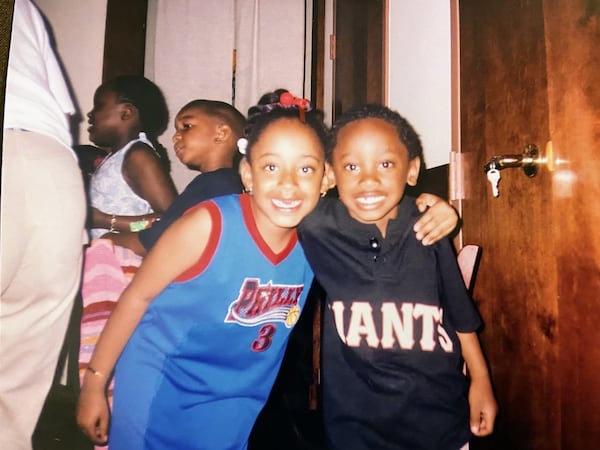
(438, 221)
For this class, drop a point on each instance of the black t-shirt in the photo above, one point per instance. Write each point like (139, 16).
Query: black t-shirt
(205, 186)
(392, 361)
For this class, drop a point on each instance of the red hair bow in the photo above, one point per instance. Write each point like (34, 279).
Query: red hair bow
(287, 100)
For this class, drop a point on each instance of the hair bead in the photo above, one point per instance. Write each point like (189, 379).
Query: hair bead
(242, 145)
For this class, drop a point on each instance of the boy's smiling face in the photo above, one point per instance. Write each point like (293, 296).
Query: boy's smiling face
(372, 168)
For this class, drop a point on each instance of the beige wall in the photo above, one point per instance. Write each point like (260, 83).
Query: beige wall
(419, 72)
(192, 47)
(78, 27)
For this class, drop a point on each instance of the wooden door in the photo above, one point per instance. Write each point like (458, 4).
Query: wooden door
(359, 53)
(125, 38)
(530, 73)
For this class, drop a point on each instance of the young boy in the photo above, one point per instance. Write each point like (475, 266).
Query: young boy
(398, 313)
(205, 139)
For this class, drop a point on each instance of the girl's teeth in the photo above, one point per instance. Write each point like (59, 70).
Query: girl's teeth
(286, 203)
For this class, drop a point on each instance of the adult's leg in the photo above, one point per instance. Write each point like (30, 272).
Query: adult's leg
(42, 233)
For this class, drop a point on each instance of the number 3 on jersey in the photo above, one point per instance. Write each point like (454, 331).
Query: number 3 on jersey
(265, 338)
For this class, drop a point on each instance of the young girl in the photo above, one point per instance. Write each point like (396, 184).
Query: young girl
(131, 187)
(200, 332)
(399, 321)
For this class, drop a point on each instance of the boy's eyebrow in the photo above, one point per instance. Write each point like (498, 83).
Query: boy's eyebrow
(186, 116)
(379, 151)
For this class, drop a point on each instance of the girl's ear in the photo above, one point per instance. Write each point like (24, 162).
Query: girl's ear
(128, 111)
(414, 166)
(328, 181)
(246, 174)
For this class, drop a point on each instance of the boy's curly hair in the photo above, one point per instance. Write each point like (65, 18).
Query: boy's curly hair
(407, 134)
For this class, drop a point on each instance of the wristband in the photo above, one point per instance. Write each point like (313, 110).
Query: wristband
(139, 225)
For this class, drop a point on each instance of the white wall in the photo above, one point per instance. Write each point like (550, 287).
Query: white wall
(78, 27)
(190, 46)
(419, 85)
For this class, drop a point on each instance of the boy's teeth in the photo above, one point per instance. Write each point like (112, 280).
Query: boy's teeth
(369, 200)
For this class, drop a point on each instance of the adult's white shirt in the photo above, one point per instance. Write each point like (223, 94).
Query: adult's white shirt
(37, 98)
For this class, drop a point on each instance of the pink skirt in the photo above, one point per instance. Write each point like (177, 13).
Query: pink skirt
(107, 270)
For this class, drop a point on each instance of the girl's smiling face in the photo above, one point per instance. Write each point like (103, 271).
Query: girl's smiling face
(372, 168)
(286, 174)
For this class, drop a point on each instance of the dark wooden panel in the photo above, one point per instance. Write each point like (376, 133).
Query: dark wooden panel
(360, 44)
(433, 181)
(125, 38)
(318, 55)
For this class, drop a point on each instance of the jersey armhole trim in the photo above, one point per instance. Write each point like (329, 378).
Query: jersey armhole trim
(211, 246)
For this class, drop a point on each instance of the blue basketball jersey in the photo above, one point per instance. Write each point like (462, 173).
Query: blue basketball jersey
(200, 365)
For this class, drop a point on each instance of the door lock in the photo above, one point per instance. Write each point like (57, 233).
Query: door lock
(528, 161)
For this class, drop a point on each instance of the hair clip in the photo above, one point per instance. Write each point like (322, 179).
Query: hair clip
(242, 145)
(287, 100)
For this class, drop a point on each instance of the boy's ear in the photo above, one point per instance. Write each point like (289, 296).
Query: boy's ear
(246, 174)
(328, 181)
(223, 133)
(414, 167)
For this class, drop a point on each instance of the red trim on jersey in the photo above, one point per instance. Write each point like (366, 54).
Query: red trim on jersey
(274, 258)
(211, 246)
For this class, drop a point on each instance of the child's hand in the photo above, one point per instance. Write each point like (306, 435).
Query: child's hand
(93, 415)
(483, 406)
(438, 221)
